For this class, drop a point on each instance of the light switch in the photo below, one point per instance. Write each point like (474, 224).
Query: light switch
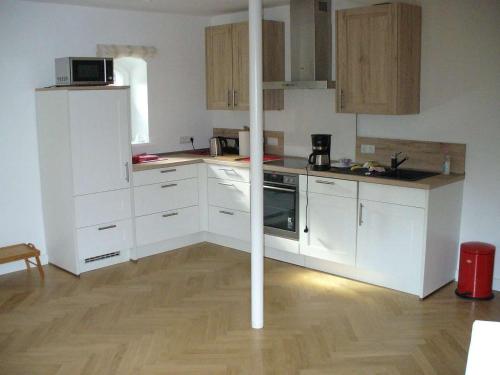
(367, 149)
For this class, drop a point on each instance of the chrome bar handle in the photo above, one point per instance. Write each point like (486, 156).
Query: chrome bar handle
(227, 213)
(127, 172)
(235, 102)
(170, 214)
(360, 218)
(107, 227)
(341, 99)
(225, 184)
(325, 182)
(168, 185)
(229, 98)
(168, 170)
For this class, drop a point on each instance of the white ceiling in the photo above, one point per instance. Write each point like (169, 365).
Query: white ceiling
(193, 7)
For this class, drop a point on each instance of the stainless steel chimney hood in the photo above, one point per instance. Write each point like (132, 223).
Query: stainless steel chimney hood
(311, 46)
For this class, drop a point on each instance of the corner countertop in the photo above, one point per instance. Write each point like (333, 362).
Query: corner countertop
(176, 159)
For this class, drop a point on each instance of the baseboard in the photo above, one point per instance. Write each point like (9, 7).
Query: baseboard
(19, 265)
(168, 245)
(226, 241)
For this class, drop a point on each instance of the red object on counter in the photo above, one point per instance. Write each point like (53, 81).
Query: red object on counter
(144, 158)
(475, 275)
(266, 158)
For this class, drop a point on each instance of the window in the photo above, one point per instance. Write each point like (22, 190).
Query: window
(132, 71)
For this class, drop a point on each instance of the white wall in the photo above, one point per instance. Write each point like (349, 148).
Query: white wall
(460, 99)
(32, 35)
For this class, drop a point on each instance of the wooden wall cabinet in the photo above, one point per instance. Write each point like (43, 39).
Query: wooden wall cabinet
(378, 59)
(227, 65)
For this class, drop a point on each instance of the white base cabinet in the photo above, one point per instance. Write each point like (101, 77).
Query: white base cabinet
(391, 243)
(401, 238)
(330, 217)
(165, 205)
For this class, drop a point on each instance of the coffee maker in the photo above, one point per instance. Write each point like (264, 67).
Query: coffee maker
(320, 157)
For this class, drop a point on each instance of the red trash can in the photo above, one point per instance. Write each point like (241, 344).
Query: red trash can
(475, 274)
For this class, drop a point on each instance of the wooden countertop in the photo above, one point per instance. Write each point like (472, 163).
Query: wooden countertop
(82, 87)
(184, 158)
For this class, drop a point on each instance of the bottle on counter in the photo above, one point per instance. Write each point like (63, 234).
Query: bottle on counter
(447, 165)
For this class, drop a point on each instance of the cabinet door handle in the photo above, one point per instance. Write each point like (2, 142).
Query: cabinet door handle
(235, 96)
(107, 227)
(168, 185)
(325, 182)
(341, 99)
(127, 172)
(167, 170)
(227, 213)
(227, 170)
(229, 98)
(170, 214)
(360, 219)
(226, 184)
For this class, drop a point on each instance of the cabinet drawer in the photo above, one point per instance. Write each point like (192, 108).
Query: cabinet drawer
(231, 223)
(393, 194)
(154, 176)
(230, 194)
(226, 172)
(166, 196)
(330, 186)
(166, 225)
(94, 209)
(104, 239)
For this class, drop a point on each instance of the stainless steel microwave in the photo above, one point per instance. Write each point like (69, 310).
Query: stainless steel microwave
(84, 71)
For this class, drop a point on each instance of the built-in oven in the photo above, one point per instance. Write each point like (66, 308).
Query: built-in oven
(281, 204)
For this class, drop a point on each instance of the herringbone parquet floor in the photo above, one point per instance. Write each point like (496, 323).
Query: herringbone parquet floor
(187, 312)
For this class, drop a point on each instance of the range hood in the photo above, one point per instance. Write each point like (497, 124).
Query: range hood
(311, 46)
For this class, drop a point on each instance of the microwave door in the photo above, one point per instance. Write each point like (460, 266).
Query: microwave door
(88, 72)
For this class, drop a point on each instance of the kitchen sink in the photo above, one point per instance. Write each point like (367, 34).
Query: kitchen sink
(407, 174)
(399, 174)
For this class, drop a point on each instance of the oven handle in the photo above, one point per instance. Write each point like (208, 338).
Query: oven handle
(280, 189)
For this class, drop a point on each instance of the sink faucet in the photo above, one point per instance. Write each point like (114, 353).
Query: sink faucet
(395, 163)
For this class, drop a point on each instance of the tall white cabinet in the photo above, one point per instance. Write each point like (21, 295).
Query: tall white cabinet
(85, 165)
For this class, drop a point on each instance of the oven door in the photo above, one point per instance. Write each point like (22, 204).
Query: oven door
(281, 210)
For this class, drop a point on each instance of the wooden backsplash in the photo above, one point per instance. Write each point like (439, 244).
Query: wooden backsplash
(278, 149)
(424, 155)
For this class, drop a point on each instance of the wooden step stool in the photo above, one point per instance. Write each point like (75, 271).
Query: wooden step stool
(22, 251)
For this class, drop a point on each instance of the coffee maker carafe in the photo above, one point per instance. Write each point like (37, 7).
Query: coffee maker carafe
(320, 157)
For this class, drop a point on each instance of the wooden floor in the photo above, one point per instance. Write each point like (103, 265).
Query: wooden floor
(187, 312)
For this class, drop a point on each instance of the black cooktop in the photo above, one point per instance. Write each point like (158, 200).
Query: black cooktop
(296, 163)
(400, 174)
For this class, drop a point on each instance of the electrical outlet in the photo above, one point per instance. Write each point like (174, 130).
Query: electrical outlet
(185, 139)
(272, 141)
(367, 149)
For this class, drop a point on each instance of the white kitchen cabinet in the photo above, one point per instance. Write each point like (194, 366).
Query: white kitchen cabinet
(391, 243)
(166, 207)
(100, 140)
(155, 176)
(229, 223)
(85, 157)
(229, 194)
(331, 220)
(166, 225)
(106, 238)
(93, 209)
(165, 196)
(229, 172)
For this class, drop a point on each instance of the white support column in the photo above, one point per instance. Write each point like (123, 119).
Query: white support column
(256, 167)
